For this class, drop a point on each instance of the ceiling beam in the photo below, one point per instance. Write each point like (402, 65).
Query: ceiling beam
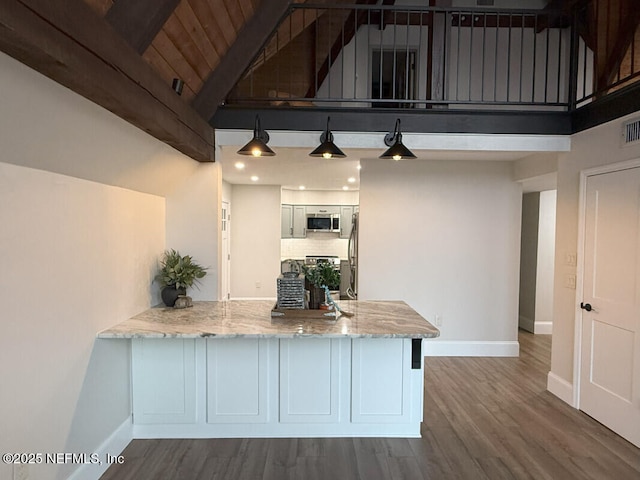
(68, 42)
(253, 36)
(615, 41)
(139, 21)
(382, 120)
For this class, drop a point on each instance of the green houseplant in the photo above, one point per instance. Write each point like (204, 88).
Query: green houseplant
(177, 273)
(317, 277)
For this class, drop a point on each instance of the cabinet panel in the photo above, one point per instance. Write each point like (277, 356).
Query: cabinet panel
(286, 225)
(346, 218)
(299, 221)
(381, 380)
(323, 209)
(237, 380)
(309, 380)
(164, 381)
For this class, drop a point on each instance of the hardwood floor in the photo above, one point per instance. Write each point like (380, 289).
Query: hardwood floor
(485, 418)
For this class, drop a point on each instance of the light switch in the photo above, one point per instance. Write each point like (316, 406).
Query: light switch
(571, 259)
(570, 281)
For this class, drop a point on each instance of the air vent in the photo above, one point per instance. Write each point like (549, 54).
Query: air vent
(631, 132)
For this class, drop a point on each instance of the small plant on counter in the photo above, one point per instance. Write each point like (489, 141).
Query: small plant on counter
(320, 276)
(177, 273)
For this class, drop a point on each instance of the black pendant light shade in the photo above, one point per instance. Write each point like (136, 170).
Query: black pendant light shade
(257, 147)
(396, 151)
(327, 149)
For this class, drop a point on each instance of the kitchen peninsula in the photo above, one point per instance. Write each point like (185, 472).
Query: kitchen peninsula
(230, 369)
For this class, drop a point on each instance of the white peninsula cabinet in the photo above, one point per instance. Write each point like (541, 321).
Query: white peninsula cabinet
(237, 376)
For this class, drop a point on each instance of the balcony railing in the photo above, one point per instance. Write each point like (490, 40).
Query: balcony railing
(428, 57)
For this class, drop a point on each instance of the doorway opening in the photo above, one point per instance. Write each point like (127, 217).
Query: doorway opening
(393, 76)
(537, 253)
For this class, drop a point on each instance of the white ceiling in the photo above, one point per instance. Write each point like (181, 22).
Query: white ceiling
(292, 166)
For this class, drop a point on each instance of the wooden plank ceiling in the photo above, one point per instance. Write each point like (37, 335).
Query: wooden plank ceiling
(125, 54)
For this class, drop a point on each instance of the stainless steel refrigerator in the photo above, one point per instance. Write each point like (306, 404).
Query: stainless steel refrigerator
(352, 289)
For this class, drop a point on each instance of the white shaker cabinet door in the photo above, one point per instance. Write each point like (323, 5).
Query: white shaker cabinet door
(381, 382)
(164, 381)
(309, 380)
(237, 380)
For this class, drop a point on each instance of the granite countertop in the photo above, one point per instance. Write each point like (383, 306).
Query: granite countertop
(252, 318)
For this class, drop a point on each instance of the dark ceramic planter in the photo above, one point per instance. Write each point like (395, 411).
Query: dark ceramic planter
(316, 297)
(170, 294)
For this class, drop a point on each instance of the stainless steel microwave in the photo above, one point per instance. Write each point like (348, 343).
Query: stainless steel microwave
(322, 222)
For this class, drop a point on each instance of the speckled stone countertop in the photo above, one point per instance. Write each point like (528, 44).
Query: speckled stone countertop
(248, 318)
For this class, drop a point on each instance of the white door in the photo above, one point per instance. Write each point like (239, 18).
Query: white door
(610, 344)
(225, 280)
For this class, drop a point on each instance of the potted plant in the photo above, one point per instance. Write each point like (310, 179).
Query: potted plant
(317, 277)
(177, 273)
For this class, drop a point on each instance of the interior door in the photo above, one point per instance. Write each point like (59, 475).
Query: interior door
(610, 346)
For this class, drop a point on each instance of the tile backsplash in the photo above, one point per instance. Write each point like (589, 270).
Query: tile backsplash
(316, 243)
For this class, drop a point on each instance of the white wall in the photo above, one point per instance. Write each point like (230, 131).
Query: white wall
(78, 257)
(56, 130)
(79, 254)
(193, 218)
(543, 320)
(449, 246)
(528, 260)
(255, 245)
(594, 147)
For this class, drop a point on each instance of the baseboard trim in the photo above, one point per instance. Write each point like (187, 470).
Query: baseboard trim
(560, 388)
(445, 348)
(543, 328)
(112, 446)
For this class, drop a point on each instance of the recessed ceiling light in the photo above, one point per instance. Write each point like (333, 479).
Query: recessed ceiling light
(239, 165)
(254, 178)
(351, 180)
(301, 187)
(359, 166)
(345, 188)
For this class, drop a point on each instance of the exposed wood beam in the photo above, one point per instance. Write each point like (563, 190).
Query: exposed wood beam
(139, 21)
(238, 58)
(68, 42)
(628, 19)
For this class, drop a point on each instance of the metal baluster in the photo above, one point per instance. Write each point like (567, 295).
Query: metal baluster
(535, 51)
(495, 59)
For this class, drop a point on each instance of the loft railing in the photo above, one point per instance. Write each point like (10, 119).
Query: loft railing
(427, 57)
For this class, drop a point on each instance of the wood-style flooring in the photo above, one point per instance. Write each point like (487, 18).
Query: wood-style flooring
(484, 418)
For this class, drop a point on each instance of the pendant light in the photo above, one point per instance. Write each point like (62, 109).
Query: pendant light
(327, 149)
(396, 151)
(258, 145)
